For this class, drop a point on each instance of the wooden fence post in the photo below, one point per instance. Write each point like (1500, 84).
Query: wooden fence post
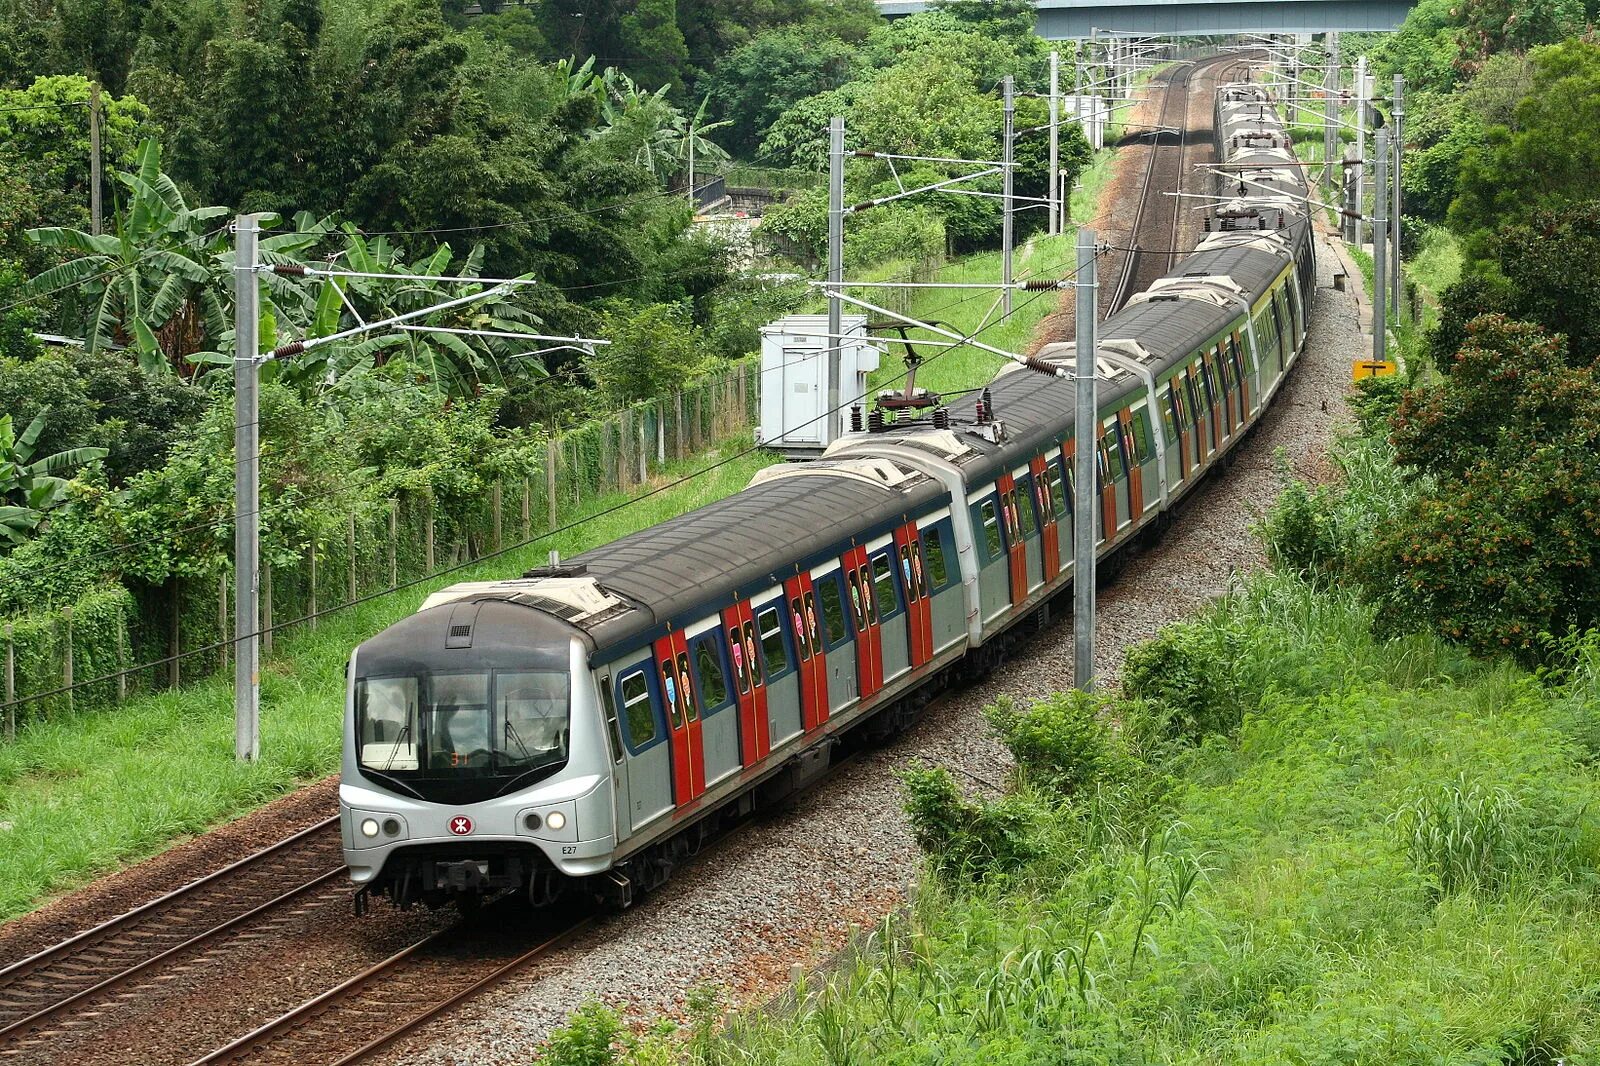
(677, 411)
(175, 636)
(222, 620)
(552, 451)
(527, 509)
(394, 542)
(661, 432)
(312, 561)
(644, 456)
(122, 659)
(428, 536)
(496, 501)
(266, 608)
(11, 683)
(66, 665)
(350, 556)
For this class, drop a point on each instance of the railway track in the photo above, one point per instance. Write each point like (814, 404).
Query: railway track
(1156, 238)
(49, 992)
(394, 998)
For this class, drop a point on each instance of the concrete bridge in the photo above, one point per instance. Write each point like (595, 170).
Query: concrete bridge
(1069, 19)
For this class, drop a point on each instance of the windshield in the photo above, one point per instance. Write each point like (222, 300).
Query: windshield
(490, 726)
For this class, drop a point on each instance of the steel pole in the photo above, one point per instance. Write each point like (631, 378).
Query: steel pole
(1330, 115)
(1380, 252)
(1007, 223)
(835, 269)
(1054, 194)
(1361, 149)
(1395, 221)
(1085, 492)
(246, 492)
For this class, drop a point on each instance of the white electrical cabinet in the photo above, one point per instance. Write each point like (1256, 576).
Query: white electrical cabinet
(794, 381)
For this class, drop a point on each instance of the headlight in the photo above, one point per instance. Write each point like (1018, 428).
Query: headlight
(556, 820)
(369, 827)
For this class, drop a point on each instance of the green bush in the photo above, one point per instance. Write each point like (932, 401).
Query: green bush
(1463, 836)
(968, 840)
(1187, 683)
(593, 1036)
(1060, 742)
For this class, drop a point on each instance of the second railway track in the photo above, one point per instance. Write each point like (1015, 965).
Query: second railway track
(48, 992)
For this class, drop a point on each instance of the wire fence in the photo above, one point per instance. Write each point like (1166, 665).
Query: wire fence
(185, 623)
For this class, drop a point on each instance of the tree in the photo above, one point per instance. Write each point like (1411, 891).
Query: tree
(653, 43)
(755, 84)
(1503, 547)
(30, 487)
(1547, 158)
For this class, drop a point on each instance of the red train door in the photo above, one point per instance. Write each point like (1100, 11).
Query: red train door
(748, 684)
(919, 612)
(1049, 531)
(1135, 474)
(683, 717)
(864, 612)
(1016, 547)
(813, 667)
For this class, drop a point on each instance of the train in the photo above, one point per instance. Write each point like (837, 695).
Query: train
(586, 726)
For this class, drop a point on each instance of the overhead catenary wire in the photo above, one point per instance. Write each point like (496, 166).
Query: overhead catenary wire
(426, 578)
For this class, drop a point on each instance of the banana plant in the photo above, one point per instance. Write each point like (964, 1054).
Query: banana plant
(30, 488)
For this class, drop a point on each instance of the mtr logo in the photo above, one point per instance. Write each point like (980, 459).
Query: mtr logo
(461, 825)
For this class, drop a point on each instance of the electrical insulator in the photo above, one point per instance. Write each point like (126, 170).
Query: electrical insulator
(875, 423)
(855, 419)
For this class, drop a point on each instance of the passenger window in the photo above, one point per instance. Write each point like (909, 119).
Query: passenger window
(832, 610)
(1058, 492)
(752, 660)
(671, 692)
(934, 546)
(1111, 453)
(811, 617)
(883, 581)
(708, 668)
(691, 708)
(856, 616)
(741, 673)
(1141, 435)
(636, 709)
(610, 701)
(802, 641)
(990, 519)
(1023, 501)
(772, 649)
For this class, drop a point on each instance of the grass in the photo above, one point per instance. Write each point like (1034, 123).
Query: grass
(1435, 267)
(1392, 859)
(80, 795)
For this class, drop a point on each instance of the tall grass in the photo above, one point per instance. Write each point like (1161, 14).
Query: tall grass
(80, 795)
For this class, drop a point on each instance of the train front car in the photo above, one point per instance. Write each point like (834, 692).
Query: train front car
(475, 760)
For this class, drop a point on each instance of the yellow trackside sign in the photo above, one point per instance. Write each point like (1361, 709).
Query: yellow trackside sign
(1371, 368)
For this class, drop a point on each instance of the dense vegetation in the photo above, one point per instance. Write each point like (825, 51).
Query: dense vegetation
(550, 142)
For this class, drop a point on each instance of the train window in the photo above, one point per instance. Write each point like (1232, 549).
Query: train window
(1169, 422)
(610, 702)
(856, 615)
(801, 640)
(1027, 520)
(989, 518)
(888, 603)
(1141, 435)
(1196, 396)
(772, 649)
(811, 616)
(637, 712)
(1241, 354)
(691, 706)
(832, 610)
(708, 670)
(1058, 492)
(1130, 444)
(933, 544)
(674, 692)
(751, 658)
(741, 673)
(1111, 453)
(388, 722)
(911, 574)
(532, 728)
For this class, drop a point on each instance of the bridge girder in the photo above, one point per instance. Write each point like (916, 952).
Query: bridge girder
(1073, 19)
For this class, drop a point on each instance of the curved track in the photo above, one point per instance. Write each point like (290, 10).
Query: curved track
(1155, 241)
(47, 992)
